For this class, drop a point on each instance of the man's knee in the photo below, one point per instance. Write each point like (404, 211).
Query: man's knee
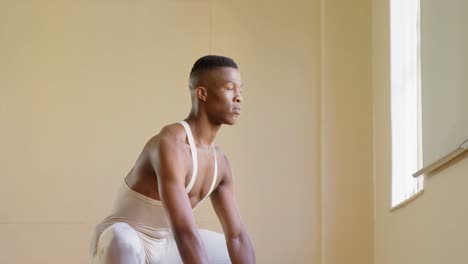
(120, 237)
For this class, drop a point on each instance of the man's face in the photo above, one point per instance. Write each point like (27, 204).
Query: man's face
(224, 95)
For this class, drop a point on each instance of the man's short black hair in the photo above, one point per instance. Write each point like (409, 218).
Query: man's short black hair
(209, 62)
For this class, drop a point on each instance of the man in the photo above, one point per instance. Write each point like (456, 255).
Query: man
(152, 217)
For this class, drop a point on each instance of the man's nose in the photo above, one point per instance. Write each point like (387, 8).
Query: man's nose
(238, 98)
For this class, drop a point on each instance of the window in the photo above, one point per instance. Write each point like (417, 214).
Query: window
(405, 99)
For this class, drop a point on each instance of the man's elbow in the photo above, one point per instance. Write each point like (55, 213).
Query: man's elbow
(240, 241)
(240, 248)
(235, 238)
(238, 236)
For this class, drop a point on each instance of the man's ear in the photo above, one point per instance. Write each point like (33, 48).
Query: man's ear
(201, 93)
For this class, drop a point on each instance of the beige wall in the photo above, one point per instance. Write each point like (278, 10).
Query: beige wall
(84, 84)
(347, 132)
(431, 229)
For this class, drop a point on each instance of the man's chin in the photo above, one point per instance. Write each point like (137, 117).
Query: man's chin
(230, 121)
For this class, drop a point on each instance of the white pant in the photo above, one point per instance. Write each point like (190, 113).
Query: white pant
(121, 244)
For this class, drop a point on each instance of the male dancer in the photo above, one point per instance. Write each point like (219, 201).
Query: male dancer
(152, 217)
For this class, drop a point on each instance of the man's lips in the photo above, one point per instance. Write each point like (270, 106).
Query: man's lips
(236, 110)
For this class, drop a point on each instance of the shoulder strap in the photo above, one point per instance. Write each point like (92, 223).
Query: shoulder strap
(193, 150)
(215, 177)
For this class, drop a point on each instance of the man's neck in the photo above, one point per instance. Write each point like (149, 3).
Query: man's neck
(204, 132)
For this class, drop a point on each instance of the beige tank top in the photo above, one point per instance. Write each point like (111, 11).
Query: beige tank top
(131, 206)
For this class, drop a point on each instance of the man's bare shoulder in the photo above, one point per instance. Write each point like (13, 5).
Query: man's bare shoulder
(169, 142)
(168, 152)
(170, 135)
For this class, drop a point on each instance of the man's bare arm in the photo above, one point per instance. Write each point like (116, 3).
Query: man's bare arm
(240, 247)
(169, 166)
